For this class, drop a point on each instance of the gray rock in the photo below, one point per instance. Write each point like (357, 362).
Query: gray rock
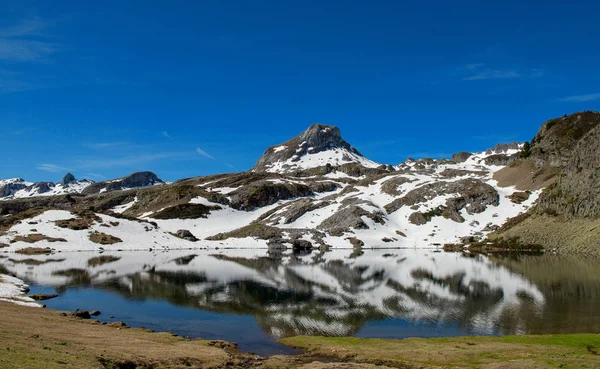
(186, 235)
(473, 195)
(461, 157)
(134, 180)
(315, 139)
(67, 179)
(349, 217)
(9, 189)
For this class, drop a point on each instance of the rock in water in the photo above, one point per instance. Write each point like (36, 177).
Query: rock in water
(83, 314)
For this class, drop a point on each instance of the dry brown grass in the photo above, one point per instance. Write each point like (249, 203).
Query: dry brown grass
(40, 338)
(103, 238)
(36, 237)
(525, 176)
(555, 233)
(34, 251)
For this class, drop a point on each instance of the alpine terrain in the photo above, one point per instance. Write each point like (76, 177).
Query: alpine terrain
(317, 191)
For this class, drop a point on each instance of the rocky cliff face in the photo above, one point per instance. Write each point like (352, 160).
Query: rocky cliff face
(557, 138)
(577, 190)
(134, 180)
(318, 146)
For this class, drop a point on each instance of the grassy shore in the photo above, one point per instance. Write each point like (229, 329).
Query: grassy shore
(42, 338)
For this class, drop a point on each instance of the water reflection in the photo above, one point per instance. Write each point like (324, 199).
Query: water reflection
(338, 293)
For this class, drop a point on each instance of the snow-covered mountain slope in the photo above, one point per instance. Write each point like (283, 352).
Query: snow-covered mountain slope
(419, 203)
(8, 187)
(17, 188)
(318, 146)
(134, 180)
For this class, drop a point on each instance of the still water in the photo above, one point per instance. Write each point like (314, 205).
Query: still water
(253, 297)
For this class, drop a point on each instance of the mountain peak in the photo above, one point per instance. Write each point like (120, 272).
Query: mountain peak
(67, 179)
(317, 146)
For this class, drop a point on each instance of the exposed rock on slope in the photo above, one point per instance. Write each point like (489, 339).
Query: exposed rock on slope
(319, 145)
(134, 180)
(9, 187)
(556, 140)
(314, 190)
(567, 217)
(577, 190)
(19, 188)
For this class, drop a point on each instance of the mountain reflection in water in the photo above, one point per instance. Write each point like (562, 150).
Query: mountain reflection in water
(337, 293)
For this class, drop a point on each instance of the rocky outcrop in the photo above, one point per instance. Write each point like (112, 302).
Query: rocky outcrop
(67, 179)
(185, 211)
(349, 217)
(316, 139)
(473, 195)
(10, 187)
(557, 138)
(185, 235)
(290, 212)
(503, 148)
(461, 157)
(134, 180)
(264, 193)
(577, 191)
(501, 159)
(40, 187)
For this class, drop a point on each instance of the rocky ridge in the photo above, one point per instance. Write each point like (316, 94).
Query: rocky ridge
(293, 199)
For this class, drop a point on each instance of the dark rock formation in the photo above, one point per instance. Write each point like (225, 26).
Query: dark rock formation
(349, 217)
(473, 195)
(10, 188)
(502, 148)
(185, 211)
(556, 140)
(461, 157)
(83, 314)
(40, 187)
(134, 180)
(264, 193)
(315, 139)
(577, 190)
(186, 235)
(500, 159)
(67, 179)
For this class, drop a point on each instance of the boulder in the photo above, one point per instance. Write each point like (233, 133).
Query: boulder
(186, 235)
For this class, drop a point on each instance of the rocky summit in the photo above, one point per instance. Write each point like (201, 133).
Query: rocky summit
(319, 145)
(317, 191)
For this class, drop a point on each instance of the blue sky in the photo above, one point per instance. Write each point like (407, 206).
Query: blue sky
(187, 88)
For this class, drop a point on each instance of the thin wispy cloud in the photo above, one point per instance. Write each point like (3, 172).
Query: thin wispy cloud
(230, 166)
(25, 42)
(104, 145)
(165, 134)
(580, 98)
(480, 72)
(125, 161)
(204, 153)
(94, 175)
(52, 168)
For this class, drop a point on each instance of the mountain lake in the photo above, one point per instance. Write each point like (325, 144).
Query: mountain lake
(255, 296)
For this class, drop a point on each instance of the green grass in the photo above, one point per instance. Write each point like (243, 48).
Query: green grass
(528, 351)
